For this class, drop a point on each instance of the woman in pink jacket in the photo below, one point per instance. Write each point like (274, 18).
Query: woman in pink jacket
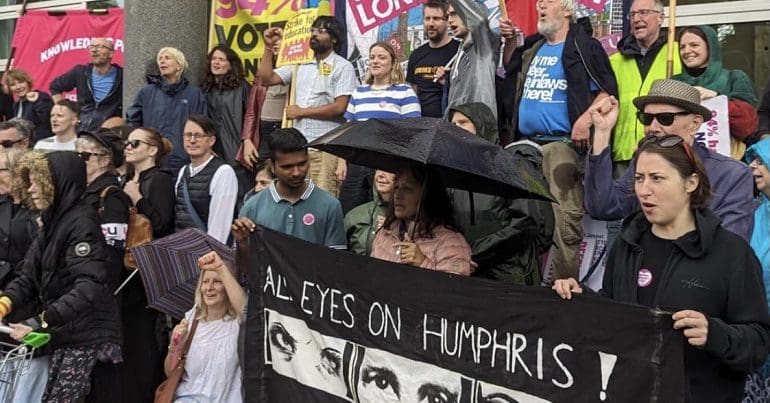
(423, 233)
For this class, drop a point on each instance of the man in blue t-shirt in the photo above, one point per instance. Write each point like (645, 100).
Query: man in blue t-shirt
(293, 204)
(99, 86)
(552, 105)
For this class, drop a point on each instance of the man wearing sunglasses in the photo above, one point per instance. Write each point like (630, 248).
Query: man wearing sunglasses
(16, 133)
(99, 85)
(671, 107)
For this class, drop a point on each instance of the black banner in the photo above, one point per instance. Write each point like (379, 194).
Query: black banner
(331, 326)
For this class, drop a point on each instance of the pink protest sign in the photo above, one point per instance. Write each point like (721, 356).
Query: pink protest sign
(372, 13)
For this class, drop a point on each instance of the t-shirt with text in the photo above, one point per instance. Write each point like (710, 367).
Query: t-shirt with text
(423, 63)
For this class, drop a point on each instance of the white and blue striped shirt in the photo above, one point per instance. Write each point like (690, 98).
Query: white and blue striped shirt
(398, 101)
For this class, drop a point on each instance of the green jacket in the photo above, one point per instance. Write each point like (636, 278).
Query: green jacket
(361, 224)
(628, 130)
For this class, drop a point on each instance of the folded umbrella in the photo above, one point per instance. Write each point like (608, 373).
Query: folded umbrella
(462, 160)
(169, 268)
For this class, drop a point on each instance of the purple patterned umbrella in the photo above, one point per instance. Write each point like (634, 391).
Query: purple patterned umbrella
(169, 268)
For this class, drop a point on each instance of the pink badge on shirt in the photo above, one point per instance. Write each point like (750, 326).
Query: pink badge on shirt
(645, 278)
(308, 219)
(383, 104)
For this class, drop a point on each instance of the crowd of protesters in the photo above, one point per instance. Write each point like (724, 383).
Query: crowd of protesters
(613, 137)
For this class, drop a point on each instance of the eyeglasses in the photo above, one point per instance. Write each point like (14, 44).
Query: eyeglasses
(664, 118)
(642, 13)
(85, 155)
(98, 47)
(135, 143)
(668, 141)
(9, 143)
(318, 30)
(195, 136)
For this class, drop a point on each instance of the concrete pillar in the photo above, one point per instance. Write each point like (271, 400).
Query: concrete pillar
(153, 24)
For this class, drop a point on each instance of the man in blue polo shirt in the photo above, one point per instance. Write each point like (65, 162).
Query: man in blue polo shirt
(293, 204)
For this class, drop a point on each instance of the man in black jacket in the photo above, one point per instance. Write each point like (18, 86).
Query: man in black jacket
(99, 86)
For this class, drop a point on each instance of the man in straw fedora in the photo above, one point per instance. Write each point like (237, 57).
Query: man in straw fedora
(671, 107)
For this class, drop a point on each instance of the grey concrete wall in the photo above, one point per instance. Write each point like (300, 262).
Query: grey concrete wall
(153, 24)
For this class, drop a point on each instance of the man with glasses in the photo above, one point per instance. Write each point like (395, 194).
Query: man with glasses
(671, 107)
(425, 61)
(15, 133)
(640, 60)
(206, 188)
(99, 85)
(323, 88)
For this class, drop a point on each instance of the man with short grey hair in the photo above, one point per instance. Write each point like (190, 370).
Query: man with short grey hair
(99, 86)
(640, 60)
(15, 133)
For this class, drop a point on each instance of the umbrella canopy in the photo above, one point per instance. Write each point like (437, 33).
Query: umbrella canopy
(463, 161)
(169, 268)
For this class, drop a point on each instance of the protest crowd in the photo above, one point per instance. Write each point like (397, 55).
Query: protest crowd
(613, 137)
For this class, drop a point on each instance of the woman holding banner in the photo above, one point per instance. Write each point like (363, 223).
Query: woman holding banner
(385, 95)
(702, 68)
(674, 254)
(419, 228)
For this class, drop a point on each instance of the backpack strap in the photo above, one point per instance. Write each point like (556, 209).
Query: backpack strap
(103, 195)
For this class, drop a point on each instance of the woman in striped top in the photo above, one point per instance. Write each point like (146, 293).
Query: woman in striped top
(385, 95)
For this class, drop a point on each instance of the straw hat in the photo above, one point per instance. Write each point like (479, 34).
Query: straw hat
(677, 93)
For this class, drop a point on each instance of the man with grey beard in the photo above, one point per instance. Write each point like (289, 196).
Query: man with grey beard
(562, 75)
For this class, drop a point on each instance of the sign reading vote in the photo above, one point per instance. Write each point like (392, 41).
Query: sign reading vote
(331, 326)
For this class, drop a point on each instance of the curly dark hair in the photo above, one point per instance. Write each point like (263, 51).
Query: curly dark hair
(436, 209)
(233, 79)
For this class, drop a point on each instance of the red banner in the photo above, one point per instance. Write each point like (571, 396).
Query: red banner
(50, 45)
(523, 13)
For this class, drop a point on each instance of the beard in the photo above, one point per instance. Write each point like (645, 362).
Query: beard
(319, 47)
(549, 27)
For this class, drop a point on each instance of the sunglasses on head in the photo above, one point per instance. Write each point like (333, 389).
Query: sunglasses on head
(664, 118)
(135, 143)
(85, 155)
(9, 143)
(669, 141)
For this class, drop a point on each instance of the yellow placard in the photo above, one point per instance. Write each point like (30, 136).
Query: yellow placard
(239, 24)
(295, 45)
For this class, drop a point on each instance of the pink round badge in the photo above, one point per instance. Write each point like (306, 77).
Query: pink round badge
(308, 219)
(645, 278)
(383, 104)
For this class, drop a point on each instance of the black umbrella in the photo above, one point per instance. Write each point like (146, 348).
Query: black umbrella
(462, 160)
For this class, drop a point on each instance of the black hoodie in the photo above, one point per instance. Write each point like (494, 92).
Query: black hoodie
(65, 270)
(712, 271)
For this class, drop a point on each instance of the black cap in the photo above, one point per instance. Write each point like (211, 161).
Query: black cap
(110, 140)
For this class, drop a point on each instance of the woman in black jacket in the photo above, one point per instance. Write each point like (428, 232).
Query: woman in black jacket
(151, 190)
(32, 105)
(675, 255)
(65, 272)
(17, 225)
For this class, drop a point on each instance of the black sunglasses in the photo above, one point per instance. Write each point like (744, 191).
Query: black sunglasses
(135, 143)
(9, 143)
(85, 155)
(664, 118)
(669, 141)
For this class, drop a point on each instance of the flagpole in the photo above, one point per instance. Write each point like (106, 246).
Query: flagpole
(291, 99)
(671, 37)
(22, 11)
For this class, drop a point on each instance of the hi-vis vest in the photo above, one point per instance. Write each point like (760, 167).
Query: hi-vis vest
(628, 130)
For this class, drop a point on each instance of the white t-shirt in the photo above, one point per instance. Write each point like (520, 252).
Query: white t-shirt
(212, 371)
(50, 144)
